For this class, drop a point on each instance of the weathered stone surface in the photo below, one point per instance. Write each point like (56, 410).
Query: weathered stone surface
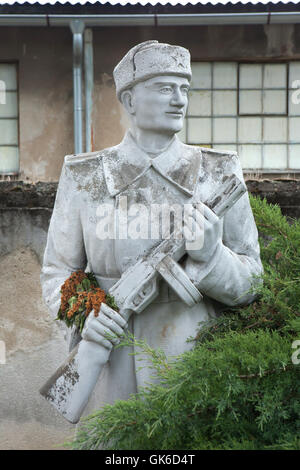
(23, 227)
(24, 323)
(148, 59)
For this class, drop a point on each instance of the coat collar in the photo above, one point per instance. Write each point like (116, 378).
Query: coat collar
(127, 162)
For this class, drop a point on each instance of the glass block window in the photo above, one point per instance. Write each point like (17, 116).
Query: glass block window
(9, 139)
(263, 89)
(253, 109)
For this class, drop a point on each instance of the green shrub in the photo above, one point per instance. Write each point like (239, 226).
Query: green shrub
(238, 388)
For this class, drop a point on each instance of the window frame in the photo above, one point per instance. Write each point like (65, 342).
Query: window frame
(15, 174)
(288, 90)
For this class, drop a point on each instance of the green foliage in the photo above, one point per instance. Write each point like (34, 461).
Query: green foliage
(238, 388)
(110, 301)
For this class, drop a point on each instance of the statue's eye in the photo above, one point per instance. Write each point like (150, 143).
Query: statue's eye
(166, 90)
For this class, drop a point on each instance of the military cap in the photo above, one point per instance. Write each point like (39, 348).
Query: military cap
(149, 59)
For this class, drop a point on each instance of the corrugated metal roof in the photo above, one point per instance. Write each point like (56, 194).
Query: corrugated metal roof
(152, 2)
(12, 8)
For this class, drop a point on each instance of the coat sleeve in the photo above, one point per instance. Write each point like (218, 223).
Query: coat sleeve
(64, 252)
(235, 265)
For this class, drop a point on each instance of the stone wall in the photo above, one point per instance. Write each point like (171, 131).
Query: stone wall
(284, 192)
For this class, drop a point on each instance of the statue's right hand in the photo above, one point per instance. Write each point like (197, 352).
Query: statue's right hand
(105, 328)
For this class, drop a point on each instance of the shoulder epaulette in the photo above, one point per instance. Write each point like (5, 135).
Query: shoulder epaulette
(218, 152)
(82, 157)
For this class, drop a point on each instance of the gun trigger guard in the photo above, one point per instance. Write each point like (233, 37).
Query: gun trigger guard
(143, 295)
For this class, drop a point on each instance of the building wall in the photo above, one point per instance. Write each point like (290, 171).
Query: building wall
(45, 79)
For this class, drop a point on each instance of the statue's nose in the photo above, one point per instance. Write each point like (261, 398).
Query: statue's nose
(178, 99)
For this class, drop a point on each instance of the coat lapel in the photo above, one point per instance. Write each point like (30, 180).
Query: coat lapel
(126, 163)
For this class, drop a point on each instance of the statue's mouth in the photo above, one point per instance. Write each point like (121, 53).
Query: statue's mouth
(175, 113)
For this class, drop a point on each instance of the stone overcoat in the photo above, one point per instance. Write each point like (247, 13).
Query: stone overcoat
(181, 172)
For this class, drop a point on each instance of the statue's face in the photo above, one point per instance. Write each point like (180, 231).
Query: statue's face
(159, 104)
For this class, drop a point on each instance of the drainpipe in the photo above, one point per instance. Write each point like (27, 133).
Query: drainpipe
(89, 85)
(77, 28)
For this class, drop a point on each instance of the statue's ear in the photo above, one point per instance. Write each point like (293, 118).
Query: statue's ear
(127, 99)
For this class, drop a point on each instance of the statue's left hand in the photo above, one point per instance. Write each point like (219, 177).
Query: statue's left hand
(202, 231)
(105, 328)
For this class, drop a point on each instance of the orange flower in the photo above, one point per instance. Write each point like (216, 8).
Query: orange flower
(94, 301)
(68, 289)
(88, 300)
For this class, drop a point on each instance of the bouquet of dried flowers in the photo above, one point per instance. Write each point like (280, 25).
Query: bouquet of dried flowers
(80, 294)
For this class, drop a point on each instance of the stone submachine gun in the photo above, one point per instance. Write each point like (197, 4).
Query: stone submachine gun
(70, 387)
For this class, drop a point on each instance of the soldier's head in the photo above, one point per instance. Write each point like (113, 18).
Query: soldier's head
(152, 82)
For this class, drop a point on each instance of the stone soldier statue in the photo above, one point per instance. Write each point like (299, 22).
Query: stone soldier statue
(150, 166)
